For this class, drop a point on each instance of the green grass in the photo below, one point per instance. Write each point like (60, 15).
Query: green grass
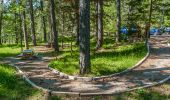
(12, 86)
(106, 62)
(9, 50)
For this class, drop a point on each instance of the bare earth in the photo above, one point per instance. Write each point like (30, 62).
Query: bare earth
(154, 69)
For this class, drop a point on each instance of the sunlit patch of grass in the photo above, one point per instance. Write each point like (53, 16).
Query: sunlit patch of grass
(12, 86)
(9, 50)
(106, 62)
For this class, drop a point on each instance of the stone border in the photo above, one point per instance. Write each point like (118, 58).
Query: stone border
(79, 94)
(88, 79)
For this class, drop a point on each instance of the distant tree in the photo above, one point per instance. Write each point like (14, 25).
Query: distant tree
(53, 24)
(77, 19)
(118, 23)
(43, 20)
(32, 23)
(84, 36)
(150, 17)
(99, 24)
(1, 17)
(24, 28)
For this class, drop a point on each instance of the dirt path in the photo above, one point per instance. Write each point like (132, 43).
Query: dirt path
(154, 69)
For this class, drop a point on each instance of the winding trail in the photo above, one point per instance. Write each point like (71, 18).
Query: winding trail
(154, 70)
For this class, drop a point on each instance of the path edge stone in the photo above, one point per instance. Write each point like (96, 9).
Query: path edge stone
(78, 94)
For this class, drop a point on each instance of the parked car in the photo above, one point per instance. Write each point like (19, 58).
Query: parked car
(167, 30)
(155, 31)
(124, 30)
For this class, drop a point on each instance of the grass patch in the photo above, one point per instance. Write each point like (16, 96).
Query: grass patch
(12, 86)
(9, 50)
(105, 62)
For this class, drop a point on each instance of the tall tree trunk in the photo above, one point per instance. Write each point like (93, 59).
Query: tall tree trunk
(16, 32)
(63, 28)
(1, 17)
(96, 19)
(43, 21)
(99, 24)
(150, 17)
(118, 25)
(32, 23)
(24, 28)
(77, 20)
(84, 36)
(20, 21)
(53, 23)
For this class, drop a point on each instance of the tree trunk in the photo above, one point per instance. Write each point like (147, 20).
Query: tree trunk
(84, 36)
(150, 17)
(99, 24)
(16, 32)
(25, 30)
(1, 17)
(118, 24)
(63, 28)
(43, 21)
(53, 23)
(32, 23)
(96, 19)
(21, 32)
(77, 17)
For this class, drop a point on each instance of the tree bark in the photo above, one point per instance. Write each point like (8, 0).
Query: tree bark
(25, 30)
(118, 24)
(16, 32)
(63, 28)
(150, 17)
(1, 17)
(32, 23)
(77, 17)
(53, 23)
(84, 36)
(43, 21)
(99, 24)
(21, 33)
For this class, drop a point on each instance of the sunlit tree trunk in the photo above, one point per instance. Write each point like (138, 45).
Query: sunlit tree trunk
(150, 17)
(1, 17)
(21, 38)
(84, 36)
(32, 23)
(53, 23)
(63, 30)
(118, 24)
(99, 24)
(24, 28)
(16, 32)
(43, 21)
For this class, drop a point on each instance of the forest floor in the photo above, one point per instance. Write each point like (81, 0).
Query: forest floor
(154, 69)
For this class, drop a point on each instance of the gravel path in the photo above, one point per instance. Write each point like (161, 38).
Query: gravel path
(154, 69)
